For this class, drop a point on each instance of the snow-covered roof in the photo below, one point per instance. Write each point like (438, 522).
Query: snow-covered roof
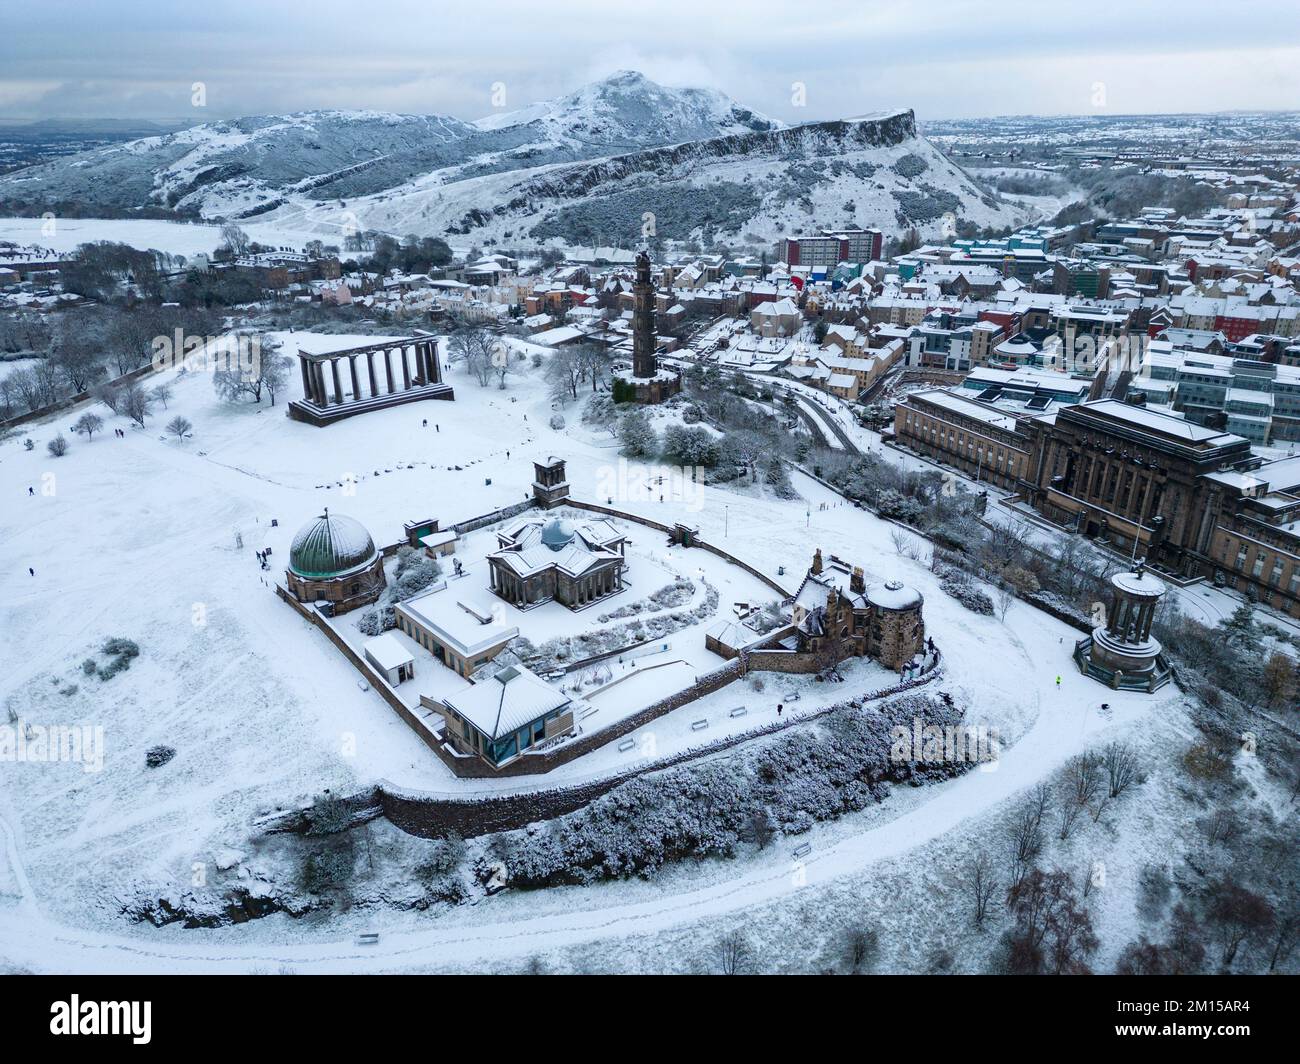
(387, 651)
(894, 595)
(513, 697)
(534, 545)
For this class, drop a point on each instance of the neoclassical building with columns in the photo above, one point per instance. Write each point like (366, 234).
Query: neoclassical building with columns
(342, 384)
(554, 560)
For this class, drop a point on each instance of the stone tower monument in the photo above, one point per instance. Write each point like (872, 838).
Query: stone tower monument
(647, 383)
(644, 363)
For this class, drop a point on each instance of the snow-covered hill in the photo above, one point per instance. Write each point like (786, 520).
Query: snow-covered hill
(746, 188)
(226, 168)
(583, 168)
(626, 111)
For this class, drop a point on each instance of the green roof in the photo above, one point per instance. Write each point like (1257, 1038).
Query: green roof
(332, 545)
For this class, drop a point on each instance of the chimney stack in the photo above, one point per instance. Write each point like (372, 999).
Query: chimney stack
(858, 582)
(817, 563)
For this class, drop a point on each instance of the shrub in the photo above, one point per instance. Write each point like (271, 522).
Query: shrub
(968, 595)
(326, 869)
(157, 756)
(121, 653)
(707, 808)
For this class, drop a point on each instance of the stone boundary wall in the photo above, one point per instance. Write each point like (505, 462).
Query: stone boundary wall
(428, 815)
(610, 511)
(368, 672)
(503, 514)
(432, 816)
(544, 761)
(72, 400)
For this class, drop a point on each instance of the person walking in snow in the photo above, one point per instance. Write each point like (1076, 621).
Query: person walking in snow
(778, 709)
(31, 570)
(1058, 683)
(31, 490)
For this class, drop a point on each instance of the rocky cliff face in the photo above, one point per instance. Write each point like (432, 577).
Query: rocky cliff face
(609, 165)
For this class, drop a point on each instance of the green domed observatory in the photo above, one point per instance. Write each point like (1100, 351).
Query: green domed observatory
(333, 561)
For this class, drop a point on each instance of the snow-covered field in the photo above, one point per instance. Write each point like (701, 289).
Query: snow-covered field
(136, 538)
(175, 238)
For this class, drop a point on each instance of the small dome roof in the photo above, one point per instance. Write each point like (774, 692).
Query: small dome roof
(331, 545)
(557, 534)
(894, 596)
(1139, 584)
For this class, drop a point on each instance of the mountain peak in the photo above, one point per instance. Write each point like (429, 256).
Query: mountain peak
(626, 108)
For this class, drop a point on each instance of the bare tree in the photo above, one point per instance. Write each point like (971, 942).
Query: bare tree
(162, 393)
(982, 882)
(564, 374)
(1026, 841)
(1080, 782)
(1123, 768)
(1220, 825)
(109, 394)
(235, 239)
(1004, 597)
(179, 427)
(735, 956)
(1053, 933)
(593, 361)
(1237, 916)
(1287, 933)
(472, 344)
(58, 446)
(136, 403)
(273, 369)
(88, 424)
(77, 357)
(861, 948)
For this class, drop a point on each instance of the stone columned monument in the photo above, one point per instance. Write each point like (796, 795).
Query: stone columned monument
(1121, 652)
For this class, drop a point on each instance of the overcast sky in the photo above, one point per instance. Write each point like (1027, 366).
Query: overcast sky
(943, 58)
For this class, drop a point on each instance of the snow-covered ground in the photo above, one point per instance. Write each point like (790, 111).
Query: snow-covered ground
(136, 537)
(174, 238)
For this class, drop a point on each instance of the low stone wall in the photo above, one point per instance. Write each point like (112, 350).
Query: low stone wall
(624, 515)
(546, 760)
(432, 816)
(503, 514)
(73, 400)
(368, 672)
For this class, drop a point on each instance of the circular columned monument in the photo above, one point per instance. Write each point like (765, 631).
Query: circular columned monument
(334, 560)
(1122, 652)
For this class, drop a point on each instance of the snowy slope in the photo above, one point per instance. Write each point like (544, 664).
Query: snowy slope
(231, 169)
(749, 187)
(627, 110)
(581, 169)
